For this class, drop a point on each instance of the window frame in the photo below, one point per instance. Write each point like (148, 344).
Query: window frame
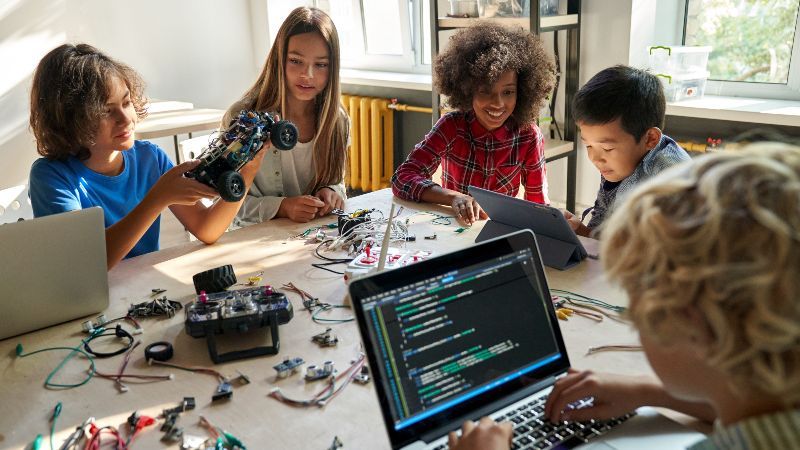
(410, 16)
(788, 91)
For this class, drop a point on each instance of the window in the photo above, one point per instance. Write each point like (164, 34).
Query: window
(755, 45)
(389, 35)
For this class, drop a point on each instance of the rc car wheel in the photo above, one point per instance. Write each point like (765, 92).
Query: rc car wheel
(231, 186)
(214, 280)
(283, 135)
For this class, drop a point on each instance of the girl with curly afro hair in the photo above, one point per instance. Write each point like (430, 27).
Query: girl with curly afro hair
(497, 79)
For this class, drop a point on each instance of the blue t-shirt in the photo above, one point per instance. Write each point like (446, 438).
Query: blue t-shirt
(60, 186)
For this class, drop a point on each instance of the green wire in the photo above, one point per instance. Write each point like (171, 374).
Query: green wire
(589, 300)
(47, 382)
(315, 315)
(56, 413)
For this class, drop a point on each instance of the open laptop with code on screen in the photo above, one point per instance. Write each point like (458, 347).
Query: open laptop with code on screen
(474, 333)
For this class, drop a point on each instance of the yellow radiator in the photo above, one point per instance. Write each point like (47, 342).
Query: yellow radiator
(371, 152)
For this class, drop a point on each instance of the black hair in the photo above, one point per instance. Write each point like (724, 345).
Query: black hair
(633, 95)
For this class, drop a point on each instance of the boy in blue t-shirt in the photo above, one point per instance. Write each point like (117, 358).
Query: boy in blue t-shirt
(84, 109)
(620, 113)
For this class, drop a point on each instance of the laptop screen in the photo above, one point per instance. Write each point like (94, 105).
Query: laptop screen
(448, 335)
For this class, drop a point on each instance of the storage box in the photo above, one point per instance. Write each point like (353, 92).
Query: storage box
(683, 87)
(676, 61)
(459, 8)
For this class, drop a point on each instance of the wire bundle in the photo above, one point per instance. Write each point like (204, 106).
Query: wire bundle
(329, 392)
(224, 440)
(613, 312)
(316, 307)
(121, 373)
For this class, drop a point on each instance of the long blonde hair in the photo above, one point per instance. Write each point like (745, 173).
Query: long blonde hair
(268, 93)
(720, 235)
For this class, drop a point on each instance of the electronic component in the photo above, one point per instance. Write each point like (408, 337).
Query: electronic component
(231, 149)
(242, 378)
(238, 311)
(314, 373)
(173, 435)
(169, 420)
(363, 375)
(326, 338)
(288, 367)
(224, 391)
(160, 351)
(118, 332)
(367, 261)
(157, 307)
(214, 280)
(336, 444)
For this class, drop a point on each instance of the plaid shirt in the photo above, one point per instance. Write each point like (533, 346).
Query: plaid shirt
(472, 156)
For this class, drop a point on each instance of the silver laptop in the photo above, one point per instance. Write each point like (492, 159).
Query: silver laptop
(474, 333)
(52, 269)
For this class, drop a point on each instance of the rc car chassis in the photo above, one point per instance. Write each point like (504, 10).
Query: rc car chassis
(231, 149)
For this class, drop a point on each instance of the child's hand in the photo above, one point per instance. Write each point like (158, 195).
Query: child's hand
(249, 170)
(173, 188)
(467, 209)
(575, 223)
(487, 435)
(614, 395)
(300, 209)
(332, 201)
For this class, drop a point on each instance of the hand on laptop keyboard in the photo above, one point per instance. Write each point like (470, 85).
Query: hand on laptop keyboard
(611, 396)
(486, 435)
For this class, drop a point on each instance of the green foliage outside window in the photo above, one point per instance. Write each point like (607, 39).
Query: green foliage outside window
(752, 39)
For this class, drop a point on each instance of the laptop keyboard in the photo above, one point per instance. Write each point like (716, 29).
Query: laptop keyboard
(533, 431)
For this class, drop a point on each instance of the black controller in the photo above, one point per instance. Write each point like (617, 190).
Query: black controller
(238, 311)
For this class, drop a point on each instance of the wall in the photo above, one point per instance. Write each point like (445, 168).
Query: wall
(200, 51)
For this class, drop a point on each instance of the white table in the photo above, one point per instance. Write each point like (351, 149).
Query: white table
(175, 122)
(260, 421)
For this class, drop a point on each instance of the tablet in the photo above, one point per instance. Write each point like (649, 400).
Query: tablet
(558, 244)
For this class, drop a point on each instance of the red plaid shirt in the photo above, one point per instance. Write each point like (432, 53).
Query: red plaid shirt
(472, 156)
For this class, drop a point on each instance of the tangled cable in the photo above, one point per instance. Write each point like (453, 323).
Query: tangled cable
(316, 307)
(329, 392)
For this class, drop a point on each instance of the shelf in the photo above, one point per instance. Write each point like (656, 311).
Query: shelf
(523, 22)
(739, 109)
(555, 149)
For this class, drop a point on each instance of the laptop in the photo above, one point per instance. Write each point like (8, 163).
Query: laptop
(560, 247)
(52, 269)
(474, 333)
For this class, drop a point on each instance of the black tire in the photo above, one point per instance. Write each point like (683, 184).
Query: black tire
(214, 280)
(231, 186)
(283, 135)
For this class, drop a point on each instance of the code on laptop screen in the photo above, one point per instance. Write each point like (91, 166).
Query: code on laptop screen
(447, 339)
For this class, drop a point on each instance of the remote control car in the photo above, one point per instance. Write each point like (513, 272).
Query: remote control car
(231, 149)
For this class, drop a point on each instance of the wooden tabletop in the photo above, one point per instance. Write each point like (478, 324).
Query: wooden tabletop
(170, 123)
(258, 420)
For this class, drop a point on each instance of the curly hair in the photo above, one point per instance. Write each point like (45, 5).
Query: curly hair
(720, 236)
(479, 55)
(68, 98)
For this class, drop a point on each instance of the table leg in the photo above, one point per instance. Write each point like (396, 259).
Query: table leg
(177, 150)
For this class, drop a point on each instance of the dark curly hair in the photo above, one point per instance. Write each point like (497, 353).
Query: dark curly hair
(68, 98)
(478, 55)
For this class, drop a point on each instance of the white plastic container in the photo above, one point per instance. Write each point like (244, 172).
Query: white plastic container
(459, 8)
(684, 86)
(676, 61)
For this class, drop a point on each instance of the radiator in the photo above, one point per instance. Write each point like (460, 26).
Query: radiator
(371, 152)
